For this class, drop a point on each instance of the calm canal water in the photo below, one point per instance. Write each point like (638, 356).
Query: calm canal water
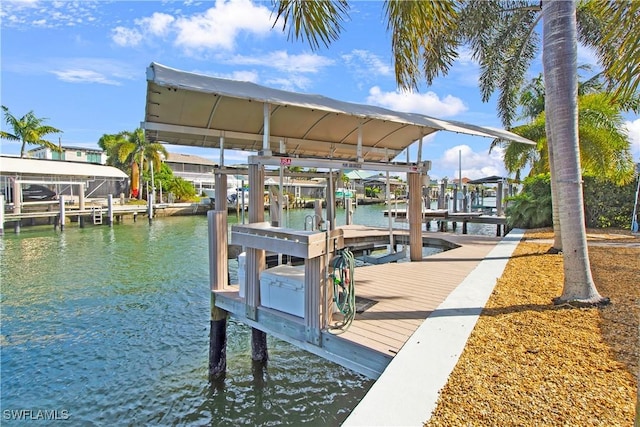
(110, 326)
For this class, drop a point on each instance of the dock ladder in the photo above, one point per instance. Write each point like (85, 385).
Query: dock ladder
(96, 213)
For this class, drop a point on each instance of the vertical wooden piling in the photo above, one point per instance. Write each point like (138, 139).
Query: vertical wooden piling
(218, 275)
(317, 209)
(465, 200)
(17, 203)
(499, 194)
(110, 210)
(220, 192)
(314, 292)
(1, 214)
(274, 207)
(81, 205)
(62, 213)
(149, 206)
(414, 210)
(349, 210)
(441, 196)
(256, 262)
(455, 200)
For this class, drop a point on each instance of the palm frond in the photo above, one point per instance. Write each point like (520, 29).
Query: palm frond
(423, 37)
(610, 28)
(317, 21)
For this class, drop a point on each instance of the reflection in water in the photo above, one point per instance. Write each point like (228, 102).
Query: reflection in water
(114, 328)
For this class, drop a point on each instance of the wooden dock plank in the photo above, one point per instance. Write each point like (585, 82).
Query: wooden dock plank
(405, 293)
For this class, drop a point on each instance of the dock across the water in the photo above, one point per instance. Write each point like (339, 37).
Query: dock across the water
(444, 216)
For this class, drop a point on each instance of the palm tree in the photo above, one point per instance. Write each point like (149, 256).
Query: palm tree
(28, 129)
(131, 149)
(426, 37)
(604, 147)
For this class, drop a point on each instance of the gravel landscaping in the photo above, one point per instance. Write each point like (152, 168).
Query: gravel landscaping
(529, 362)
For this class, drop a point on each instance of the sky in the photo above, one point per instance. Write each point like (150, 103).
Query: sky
(82, 64)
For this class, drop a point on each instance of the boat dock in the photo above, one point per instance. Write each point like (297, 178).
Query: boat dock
(393, 300)
(59, 211)
(444, 216)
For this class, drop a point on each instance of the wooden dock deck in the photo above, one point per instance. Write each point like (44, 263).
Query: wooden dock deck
(400, 295)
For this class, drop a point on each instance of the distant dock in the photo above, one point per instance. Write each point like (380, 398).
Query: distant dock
(444, 216)
(104, 212)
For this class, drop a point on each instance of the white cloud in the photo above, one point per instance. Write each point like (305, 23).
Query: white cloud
(366, 64)
(245, 76)
(214, 29)
(126, 36)
(428, 103)
(474, 165)
(48, 14)
(158, 24)
(282, 61)
(290, 83)
(587, 56)
(633, 130)
(218, 27)
(92, 70)
(84, 76)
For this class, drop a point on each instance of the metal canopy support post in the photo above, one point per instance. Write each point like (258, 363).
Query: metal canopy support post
(221, 151)
(266, 147)
(280, 195)
(331, 202)
(283, 150)
(359, 146)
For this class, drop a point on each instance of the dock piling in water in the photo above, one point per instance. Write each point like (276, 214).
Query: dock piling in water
(110, 210)
(218, 276)
(1, 214)
(62, 213)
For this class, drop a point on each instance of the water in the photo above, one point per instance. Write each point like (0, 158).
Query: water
(110, 326)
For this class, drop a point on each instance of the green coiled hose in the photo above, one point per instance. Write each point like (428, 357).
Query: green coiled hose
(344, 291)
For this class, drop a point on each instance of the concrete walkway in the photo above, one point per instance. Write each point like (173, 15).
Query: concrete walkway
(407, 391)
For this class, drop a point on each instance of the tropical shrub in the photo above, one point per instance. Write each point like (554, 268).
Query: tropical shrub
(532, 207)
(605, 203)
(182, 189)
(372, 191)
(608, 205)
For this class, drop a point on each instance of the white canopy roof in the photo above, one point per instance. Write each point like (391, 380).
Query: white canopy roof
(40, 167)
(191, 109)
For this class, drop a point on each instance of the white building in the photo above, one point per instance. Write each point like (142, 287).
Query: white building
(74, 154)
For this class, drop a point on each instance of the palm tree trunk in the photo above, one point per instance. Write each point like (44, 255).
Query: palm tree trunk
(557, 231)
(561, 83)
(140, 176)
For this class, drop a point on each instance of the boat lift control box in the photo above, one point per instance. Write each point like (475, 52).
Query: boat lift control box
(282, 288)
